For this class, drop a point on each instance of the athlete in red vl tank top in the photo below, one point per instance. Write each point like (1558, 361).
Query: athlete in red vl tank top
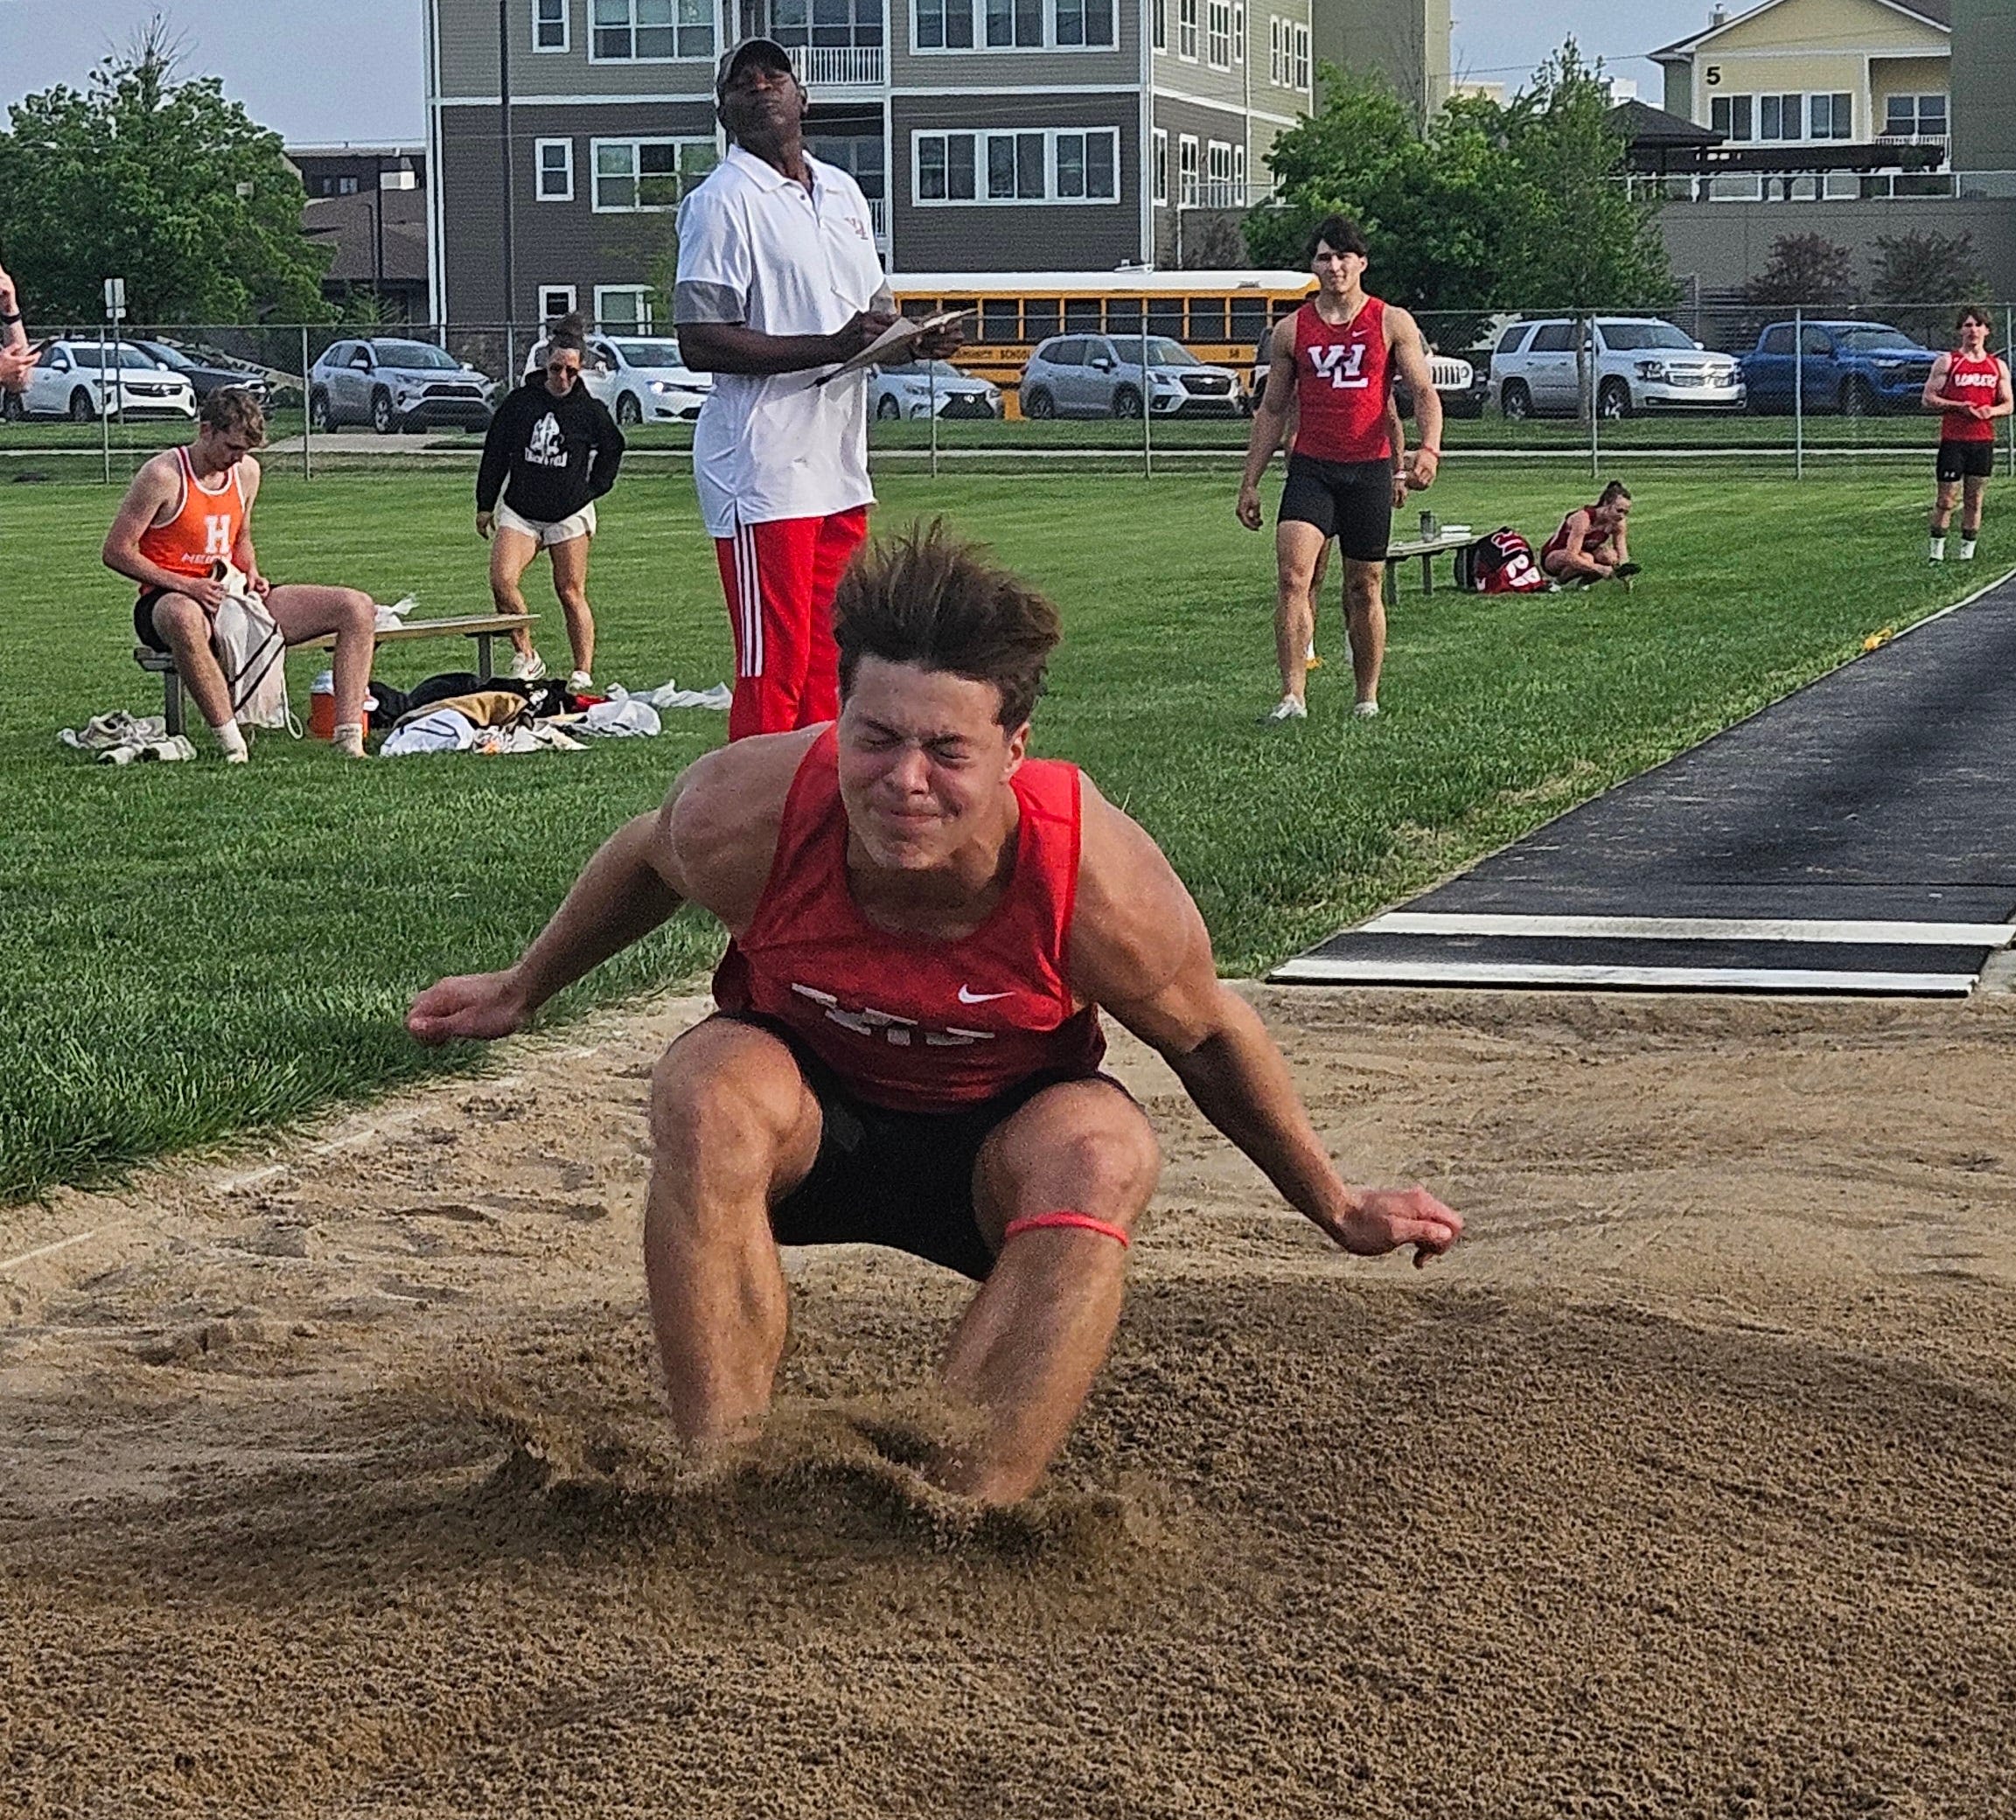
(1970, 380)
(1342, 374)
(907, 1022)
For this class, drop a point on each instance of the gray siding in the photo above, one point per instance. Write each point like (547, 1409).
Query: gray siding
(1036, 238)
(556, 242)
(1407, 40)
(1985, 85)
(469, 58)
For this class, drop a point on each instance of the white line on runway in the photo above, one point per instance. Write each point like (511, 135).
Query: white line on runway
(43, 1250)
(1317, 970)
(1701, 929)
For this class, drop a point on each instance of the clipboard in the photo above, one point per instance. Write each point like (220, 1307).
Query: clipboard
(901, 334)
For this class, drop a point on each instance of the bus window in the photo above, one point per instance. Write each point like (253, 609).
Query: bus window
(1166, 318)
(1249, 318)
(1207, 319)
(1082, 315)
(969, 304)
(1123, 316)
(1001, 319)
(1039, 317)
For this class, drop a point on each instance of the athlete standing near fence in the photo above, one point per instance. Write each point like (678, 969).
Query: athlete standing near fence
(1336, 357)
(1971, 388)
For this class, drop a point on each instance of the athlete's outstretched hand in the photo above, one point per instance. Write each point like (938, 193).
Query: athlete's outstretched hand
(470, 1005)
(1390, 1218)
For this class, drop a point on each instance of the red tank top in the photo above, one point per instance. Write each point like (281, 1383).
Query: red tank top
(907, 1022)
(1342, 378)
(1592, 539)
(1969, 382)
(205, 528)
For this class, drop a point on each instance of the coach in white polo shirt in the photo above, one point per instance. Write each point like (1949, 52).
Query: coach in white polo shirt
(779, 281)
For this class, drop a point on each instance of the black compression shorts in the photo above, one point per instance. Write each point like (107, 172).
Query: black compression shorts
(1965, 461)
(1350, 501)
(903, 1179)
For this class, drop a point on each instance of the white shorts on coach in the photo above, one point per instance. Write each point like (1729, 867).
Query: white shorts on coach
(580, 524)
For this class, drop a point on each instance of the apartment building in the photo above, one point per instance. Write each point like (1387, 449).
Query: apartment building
(988, 135)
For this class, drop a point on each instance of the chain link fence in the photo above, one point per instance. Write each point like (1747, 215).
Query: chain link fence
(1796, 387)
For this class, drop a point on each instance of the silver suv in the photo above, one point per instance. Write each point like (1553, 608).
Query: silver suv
(396, 385)
(1641, 363)
(1101, 376)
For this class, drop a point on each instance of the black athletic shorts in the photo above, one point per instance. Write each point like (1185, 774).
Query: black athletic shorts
(1965, 461)
(903, 1179)
(143, 618)
(1352, 501)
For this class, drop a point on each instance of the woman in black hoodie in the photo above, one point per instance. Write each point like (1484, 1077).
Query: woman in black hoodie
(552, 451)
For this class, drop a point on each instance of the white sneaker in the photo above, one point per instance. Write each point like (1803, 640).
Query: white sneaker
(1289, 708)
(526, 668)
(1966, 550)
(1364, 710)
(579, 682)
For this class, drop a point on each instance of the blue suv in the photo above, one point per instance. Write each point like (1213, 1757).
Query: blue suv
(1857, 368)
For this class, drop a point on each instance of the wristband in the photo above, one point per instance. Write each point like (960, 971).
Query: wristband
(5, 318)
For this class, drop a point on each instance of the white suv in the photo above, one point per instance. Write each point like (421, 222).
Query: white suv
(641, 378)
(69, 381)
(1642, 364)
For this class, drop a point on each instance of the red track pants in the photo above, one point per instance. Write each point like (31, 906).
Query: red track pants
(779, 578)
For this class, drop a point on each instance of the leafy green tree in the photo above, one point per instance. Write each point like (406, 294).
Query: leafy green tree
(1486, 207)
(1921, 278)
(1806, 269)
(167, 183)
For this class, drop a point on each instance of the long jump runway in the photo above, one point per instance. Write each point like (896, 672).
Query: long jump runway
(1858, 837)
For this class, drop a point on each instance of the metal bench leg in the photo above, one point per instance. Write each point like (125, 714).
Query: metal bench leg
(172, 701)
(482, 669)
(1390, 586)
(1428, 574)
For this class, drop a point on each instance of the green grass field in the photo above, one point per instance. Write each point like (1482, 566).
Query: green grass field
(198, 952)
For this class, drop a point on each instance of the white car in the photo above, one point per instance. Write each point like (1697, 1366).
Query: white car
(908, 390)
(1642, 364)
(640, 378)
(69, 381)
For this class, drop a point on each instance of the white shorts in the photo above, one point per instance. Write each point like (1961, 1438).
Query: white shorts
(581, 523)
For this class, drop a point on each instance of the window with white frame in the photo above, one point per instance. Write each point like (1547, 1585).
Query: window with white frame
(1161, 165)
(649, 31)
(1239, 197)
(556, 159)
(1186, 171)
(1298, 60)
(549, 24)
(637, 176)
(1734, 117)
(1780, 116)
(1159, 24)
(1056, 164)
(1219, 174)
(1276, 51)
(1015, 24)
(623, 308)
(1219, 34)
(942, 25)
(1915, 116)
(1239, 31)
(1187, 29)
(555, 301)
(1831, 116)
(1086, 25)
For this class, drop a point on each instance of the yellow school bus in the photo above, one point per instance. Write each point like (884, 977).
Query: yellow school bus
(1220, 316)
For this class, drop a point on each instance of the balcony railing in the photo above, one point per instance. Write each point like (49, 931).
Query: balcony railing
(878, 219)
(838, 66)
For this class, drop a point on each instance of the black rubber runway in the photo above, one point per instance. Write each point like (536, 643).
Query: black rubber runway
(1829, 844)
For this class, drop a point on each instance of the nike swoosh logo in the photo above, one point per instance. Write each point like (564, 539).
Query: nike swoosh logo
(968, 996)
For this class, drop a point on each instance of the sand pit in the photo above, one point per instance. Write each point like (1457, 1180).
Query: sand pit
(331, 1480)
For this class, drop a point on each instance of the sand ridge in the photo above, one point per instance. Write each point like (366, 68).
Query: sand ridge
(331, 1478)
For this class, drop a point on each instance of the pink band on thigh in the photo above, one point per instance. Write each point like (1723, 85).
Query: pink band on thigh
(1035, 1221)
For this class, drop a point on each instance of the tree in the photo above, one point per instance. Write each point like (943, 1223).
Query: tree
(168, 183)
(1806, 269)
(1934, 271)
(1467, 214)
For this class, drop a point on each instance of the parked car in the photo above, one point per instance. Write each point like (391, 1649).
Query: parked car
(396, 385)
(641, 378)
(908, 389)
(68, 381)
(1641, 363)
(205, 369)
(1460, 387)
(1856, 368)
(1101, 376)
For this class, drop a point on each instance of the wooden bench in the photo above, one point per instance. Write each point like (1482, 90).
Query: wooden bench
(1427, 549)
(483, 627)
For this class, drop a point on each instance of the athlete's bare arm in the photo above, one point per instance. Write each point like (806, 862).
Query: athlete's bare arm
(2005, 403)
(154, 491)
(1139, 948)
(710, 843)
(1269, 420)
(1397, 440)
(1934, 396)
(1410, 355)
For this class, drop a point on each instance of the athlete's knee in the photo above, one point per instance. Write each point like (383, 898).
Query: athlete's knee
(572, 598)
(355, 611)
(178, 617)
(722, 1106)
(1113, 1160)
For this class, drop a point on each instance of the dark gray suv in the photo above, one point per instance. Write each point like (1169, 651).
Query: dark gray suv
(396, 385)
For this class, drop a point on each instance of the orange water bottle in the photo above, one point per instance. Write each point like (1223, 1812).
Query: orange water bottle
(322, 707)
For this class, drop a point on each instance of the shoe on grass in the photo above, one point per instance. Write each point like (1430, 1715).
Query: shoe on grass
(525, 666)
(1364, 710)
(1288, 709)
(579, 682)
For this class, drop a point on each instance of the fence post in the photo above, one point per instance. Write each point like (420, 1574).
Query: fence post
(307, 415)
(1799, 391)
(2009, 354)
(1588, 334)
(1147, 393)
(930, 371)
(104, 417)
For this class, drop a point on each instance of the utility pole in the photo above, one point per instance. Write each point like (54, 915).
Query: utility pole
(510, 188)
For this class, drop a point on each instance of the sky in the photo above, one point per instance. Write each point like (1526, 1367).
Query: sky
(322, 73)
